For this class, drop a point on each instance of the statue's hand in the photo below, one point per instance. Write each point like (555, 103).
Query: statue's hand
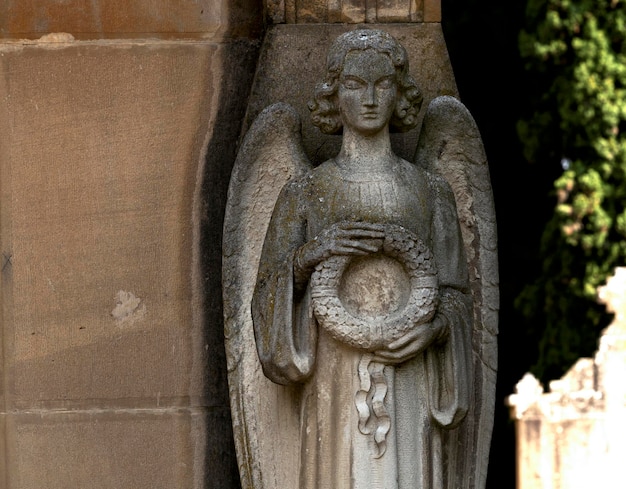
(413, 342)
(343, 238)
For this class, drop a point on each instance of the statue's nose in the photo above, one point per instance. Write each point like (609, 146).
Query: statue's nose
(369, 96)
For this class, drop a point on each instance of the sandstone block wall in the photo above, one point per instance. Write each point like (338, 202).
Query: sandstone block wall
(117, 135)
(129, 19)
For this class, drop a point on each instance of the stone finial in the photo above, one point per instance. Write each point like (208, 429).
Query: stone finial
(613, 294)
(527, 392)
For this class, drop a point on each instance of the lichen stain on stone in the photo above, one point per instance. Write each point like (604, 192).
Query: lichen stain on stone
(128, 307)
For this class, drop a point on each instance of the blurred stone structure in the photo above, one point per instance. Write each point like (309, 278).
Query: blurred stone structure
(574, 436)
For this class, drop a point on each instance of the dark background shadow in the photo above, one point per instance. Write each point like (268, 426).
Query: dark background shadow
(482, 40)
(239, 58)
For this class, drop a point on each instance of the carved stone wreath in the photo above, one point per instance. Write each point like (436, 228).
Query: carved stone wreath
(369, 301)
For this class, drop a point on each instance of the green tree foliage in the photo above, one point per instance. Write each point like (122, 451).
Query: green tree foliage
(575, 54)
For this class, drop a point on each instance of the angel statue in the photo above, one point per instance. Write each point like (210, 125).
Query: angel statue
(360, 295)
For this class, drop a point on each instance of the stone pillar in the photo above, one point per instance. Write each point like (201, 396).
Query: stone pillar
(118, 129)
(574, 435)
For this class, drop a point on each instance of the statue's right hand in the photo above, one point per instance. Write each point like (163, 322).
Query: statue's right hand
(342, 238)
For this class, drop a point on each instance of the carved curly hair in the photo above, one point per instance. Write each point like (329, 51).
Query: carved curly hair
(324, 110)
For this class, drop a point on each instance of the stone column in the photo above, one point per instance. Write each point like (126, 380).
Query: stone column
(118, 128)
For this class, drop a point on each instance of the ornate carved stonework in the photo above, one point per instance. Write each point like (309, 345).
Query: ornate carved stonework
(352, 11)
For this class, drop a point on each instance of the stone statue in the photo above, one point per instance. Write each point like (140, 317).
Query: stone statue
(373, 299)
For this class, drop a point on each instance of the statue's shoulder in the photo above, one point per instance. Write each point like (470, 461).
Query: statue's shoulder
(437, 184)
(303, 187)
(300, 182)
(424, 179)
(412, 170)
(319, 176)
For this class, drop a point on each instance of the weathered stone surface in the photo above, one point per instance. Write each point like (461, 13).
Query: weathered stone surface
(166, 19)
(112, 154)
(104, 450)
(96, 162)
(574, 436)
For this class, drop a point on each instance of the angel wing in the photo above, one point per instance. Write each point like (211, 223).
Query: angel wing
(450, 144)
(270, 155)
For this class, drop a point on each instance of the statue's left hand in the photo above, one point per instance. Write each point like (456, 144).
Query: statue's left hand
(413, 342)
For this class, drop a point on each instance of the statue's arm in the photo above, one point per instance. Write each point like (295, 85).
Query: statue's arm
(448, 362)
(285, 332)
(449, 254)
(455, 304)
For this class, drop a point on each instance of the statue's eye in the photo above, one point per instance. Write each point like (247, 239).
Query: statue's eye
(352, 84)
(385, 83)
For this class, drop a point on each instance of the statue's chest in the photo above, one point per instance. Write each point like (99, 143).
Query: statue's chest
(376, 198)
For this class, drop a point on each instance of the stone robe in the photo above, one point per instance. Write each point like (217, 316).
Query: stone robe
(425, 396)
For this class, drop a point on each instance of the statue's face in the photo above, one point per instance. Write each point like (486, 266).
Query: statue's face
(367, 91)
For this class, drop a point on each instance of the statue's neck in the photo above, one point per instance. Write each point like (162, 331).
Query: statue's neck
(360, 153)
